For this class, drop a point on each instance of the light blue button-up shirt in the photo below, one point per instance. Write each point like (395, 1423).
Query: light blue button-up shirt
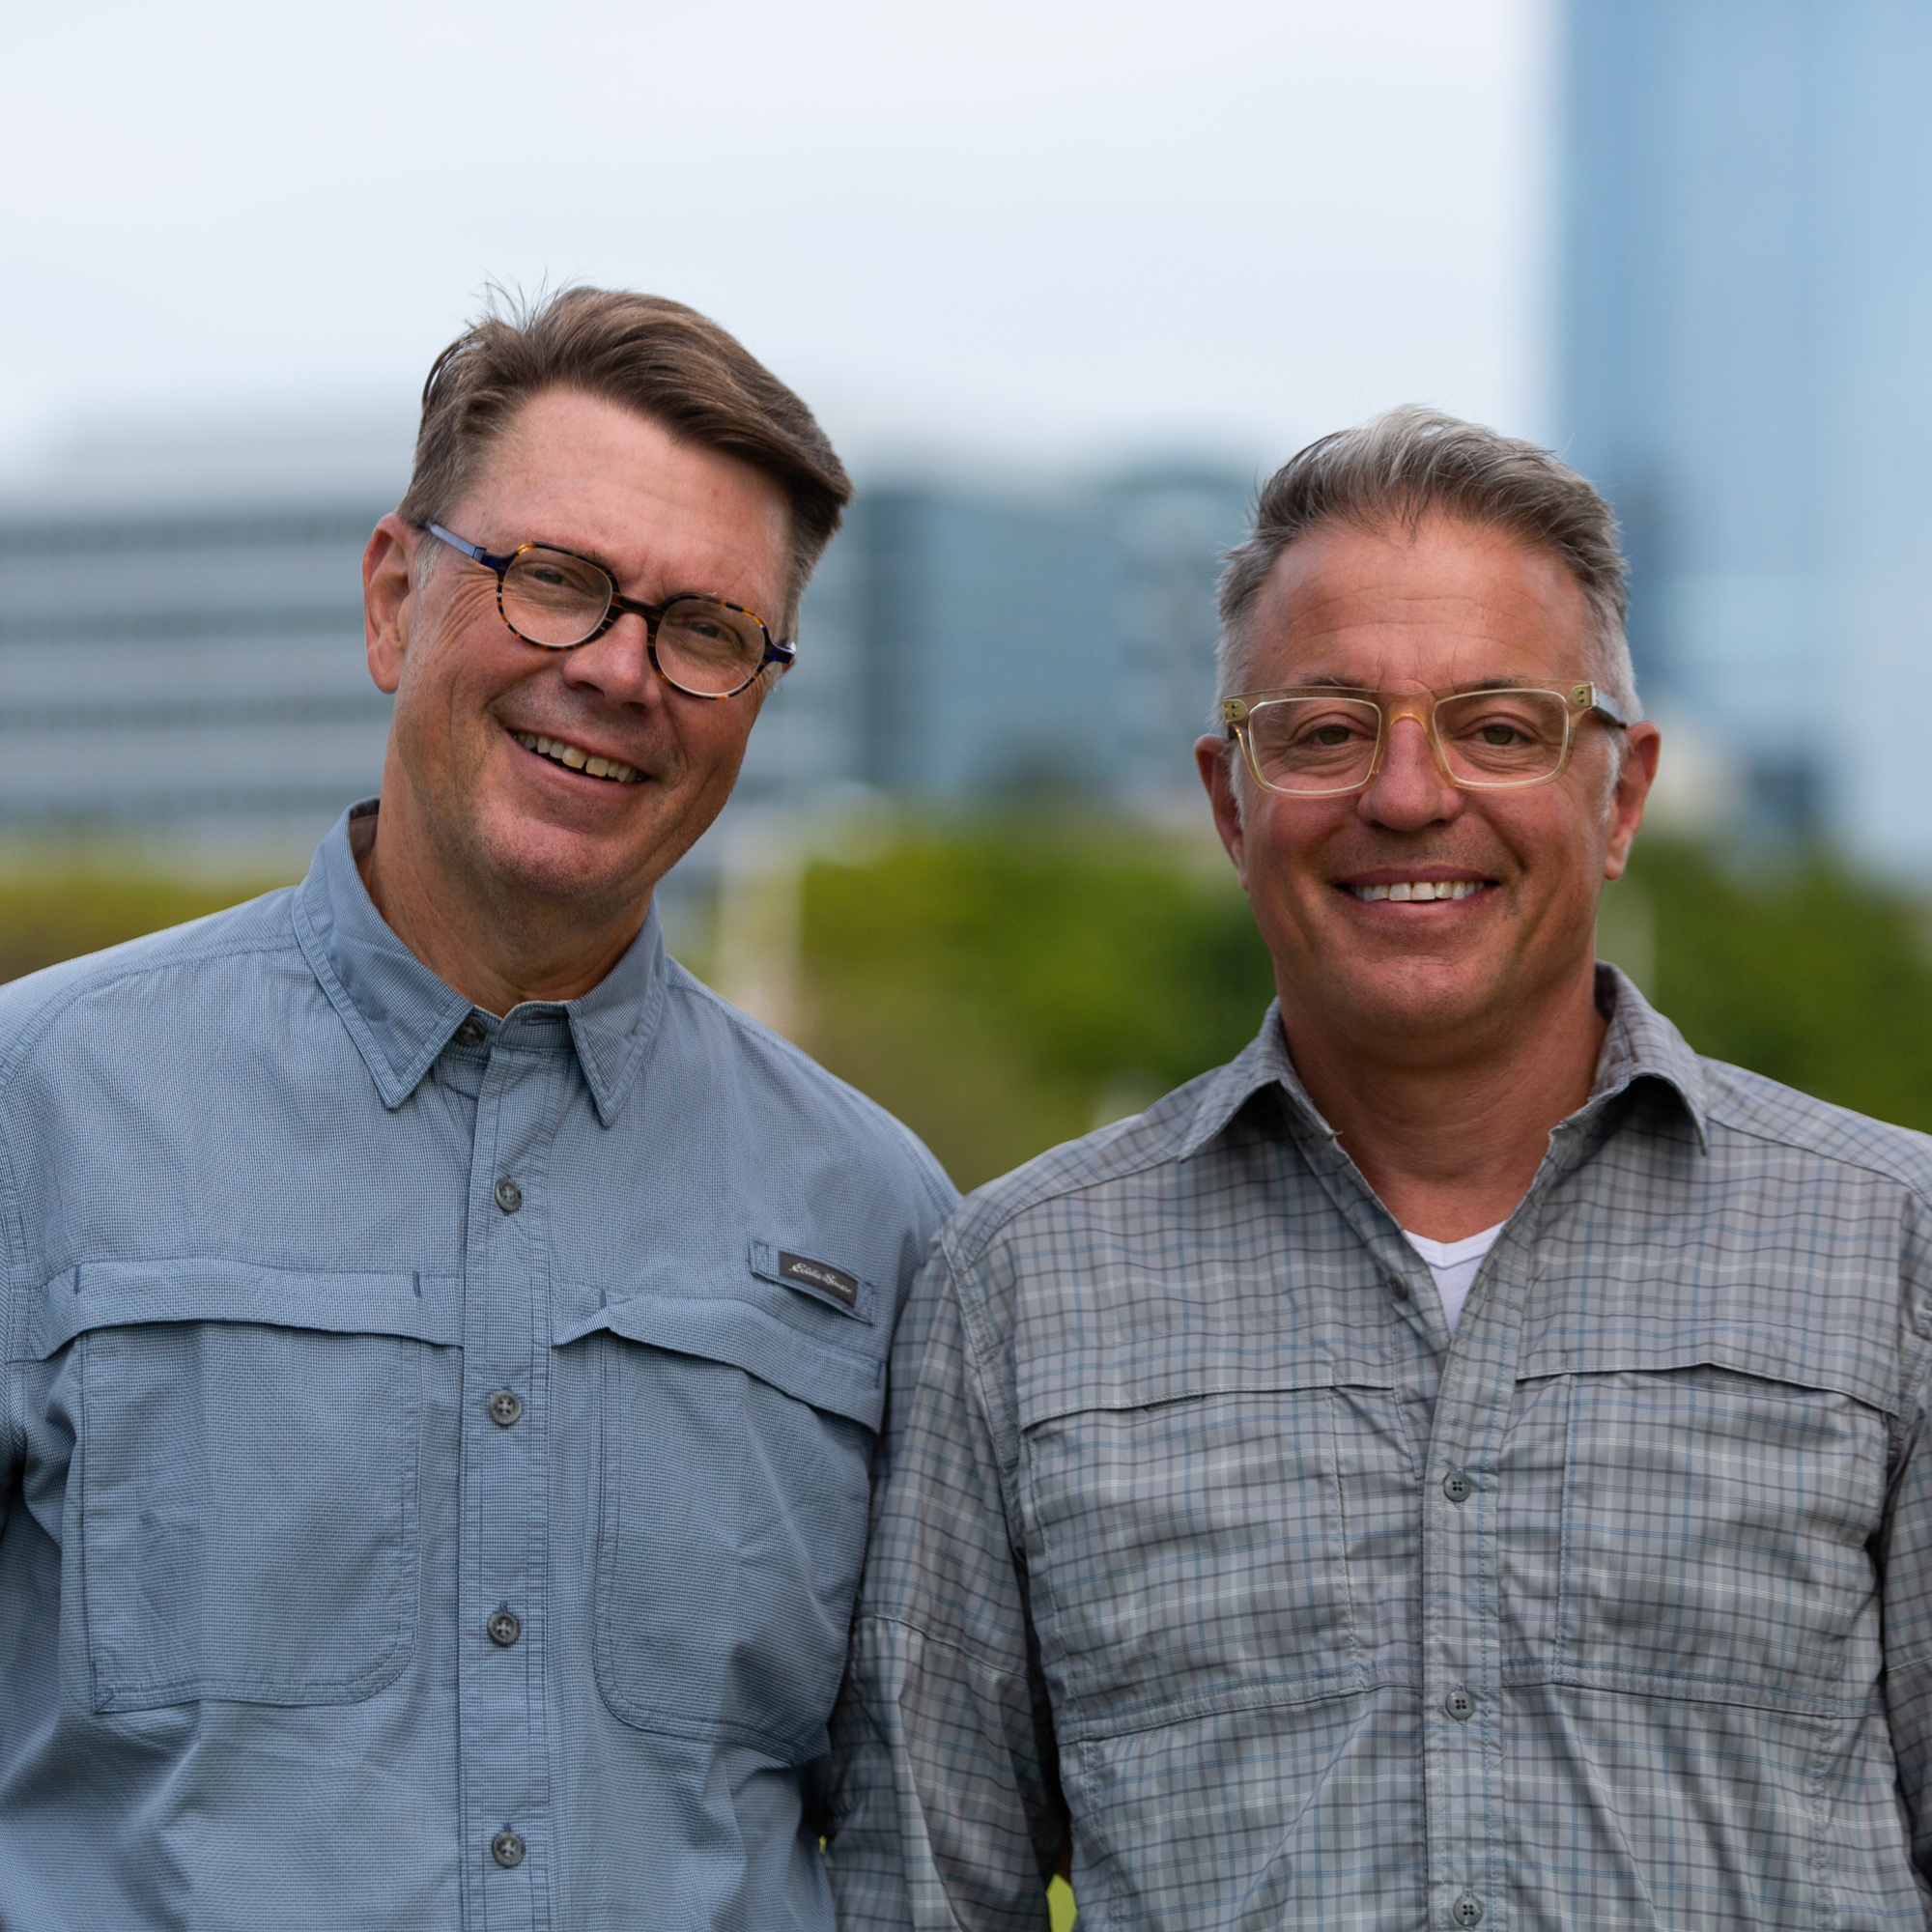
(435, 1446)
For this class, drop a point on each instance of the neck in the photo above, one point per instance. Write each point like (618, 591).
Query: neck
(1450, 1143)
(495, 950)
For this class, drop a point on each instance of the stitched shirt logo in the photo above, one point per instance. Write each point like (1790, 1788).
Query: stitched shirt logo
(833, 1281)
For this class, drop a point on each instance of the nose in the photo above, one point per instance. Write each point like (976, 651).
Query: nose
(617, 664)
(1410, 792)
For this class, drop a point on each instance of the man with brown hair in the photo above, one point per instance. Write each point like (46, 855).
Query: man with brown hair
(1463, 1463)
(446, 1342)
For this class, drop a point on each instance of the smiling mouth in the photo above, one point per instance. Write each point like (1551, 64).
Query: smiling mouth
(577, 759)
(1409, 890)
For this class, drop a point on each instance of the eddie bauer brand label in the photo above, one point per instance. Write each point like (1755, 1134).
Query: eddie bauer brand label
(833, 1281)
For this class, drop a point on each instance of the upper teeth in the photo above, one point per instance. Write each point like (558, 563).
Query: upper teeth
(577, 758)
(1420, 889)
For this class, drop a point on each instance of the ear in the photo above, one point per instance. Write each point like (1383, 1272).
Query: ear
(1633, 781)
(1215, 759)
(388, 587)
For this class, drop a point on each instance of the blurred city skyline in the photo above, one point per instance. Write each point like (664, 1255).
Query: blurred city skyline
(1063, 285)
(1068, 236)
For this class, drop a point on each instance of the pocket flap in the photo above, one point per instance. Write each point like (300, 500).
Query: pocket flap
(730, 1329)
(1804, 1361)
(112, 1295)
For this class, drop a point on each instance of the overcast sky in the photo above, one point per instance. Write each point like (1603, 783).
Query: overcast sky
(1044, 230)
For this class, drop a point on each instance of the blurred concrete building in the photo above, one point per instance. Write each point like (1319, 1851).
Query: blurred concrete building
(963, 643)
(1747, 368)
(181, 656)
(181, 644)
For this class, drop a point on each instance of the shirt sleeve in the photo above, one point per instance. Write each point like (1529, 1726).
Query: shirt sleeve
(946, 1804)
(1905, 1559)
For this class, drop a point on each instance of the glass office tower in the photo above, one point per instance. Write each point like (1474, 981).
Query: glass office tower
(1745, 364)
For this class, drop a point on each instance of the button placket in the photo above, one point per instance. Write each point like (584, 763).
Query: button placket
(1466, 1713)
(502, 1728)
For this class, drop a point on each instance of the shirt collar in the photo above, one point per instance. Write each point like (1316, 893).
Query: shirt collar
(401, 1015)
(1640, 1044)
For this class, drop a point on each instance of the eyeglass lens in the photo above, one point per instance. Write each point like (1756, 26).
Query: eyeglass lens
(1487, 738)
(703, 646)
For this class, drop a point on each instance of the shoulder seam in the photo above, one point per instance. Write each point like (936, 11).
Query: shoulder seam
(1046, 1189)
(1918, 1190)
(41, 1021)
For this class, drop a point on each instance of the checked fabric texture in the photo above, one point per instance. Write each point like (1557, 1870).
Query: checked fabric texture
(1193, 1525)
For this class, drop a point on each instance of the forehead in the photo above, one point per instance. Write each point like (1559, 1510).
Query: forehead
(1389, 607)
(590, 476)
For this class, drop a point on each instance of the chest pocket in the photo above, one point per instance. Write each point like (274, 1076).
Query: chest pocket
(241, 1505)
(1205, 1548)
(737, 1454)
(1714, 1529)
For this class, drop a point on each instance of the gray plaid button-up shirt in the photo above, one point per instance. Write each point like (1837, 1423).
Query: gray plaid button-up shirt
(1613, 1611)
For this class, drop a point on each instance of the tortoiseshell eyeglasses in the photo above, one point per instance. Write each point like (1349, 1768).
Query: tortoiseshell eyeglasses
(700, 645)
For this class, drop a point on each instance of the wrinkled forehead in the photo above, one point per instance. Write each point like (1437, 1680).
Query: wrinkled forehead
(1393, 608)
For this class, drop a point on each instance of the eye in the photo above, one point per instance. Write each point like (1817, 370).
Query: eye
(1326, 731)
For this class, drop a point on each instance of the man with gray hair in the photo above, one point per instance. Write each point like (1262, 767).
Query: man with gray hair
(1463, 1463)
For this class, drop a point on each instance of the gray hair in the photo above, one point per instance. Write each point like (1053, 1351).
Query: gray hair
(1399, 467)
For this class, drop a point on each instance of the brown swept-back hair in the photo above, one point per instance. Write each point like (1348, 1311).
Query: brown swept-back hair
(645, 353)
(1398, 469)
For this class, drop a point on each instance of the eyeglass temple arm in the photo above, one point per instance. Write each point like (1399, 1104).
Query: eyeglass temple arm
(1592, 698)
(470, 550)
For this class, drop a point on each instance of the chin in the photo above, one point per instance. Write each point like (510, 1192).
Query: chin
(549, 862)
(1429, 994)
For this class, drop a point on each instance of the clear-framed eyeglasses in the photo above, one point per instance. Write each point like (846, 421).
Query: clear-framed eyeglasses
(1315, 741)
(700, 645)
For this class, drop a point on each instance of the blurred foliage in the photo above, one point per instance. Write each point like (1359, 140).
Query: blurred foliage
(1002, 988)
(1801, 971)
(49, 914)
(1007, 985)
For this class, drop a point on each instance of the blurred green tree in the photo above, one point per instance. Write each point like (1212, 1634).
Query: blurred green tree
(1002, 988)
(1006, 986)
(50, 914)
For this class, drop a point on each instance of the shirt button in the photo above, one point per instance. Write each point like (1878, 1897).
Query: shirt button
(1457, 1486)
(1468, 1910)
(506, 1627)
(1398, 1288)
(509, 1196)
(470, 1031)
(1459, 1703)
(507, 1849)
(506, 1407)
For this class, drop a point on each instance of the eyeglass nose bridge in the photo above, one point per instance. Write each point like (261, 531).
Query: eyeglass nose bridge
(1419, 705)
(648, 615)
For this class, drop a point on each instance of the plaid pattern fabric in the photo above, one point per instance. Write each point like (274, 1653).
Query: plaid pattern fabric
(1193, 1525)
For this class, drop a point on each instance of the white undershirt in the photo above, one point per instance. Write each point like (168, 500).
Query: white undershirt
(1454, 1264)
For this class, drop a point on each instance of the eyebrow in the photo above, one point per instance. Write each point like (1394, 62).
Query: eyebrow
(1457, 690)
(604, 564)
